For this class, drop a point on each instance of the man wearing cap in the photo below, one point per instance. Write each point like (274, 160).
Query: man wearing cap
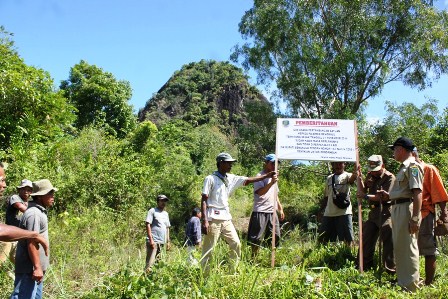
(215, 208)
(337, 221)
(157, 231)
(260, 224)
(406, 199)
(32, 262)
(16, 206)
(379, 222)
(9, 233)
(433, 193)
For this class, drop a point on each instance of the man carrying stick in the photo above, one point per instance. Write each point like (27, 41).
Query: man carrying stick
(379, 221)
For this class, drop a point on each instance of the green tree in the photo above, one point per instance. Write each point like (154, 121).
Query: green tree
(31, 109)
(416, 123)
(101, 99)
(328, 58)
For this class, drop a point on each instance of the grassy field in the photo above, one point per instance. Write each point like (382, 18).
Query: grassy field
(98, 254)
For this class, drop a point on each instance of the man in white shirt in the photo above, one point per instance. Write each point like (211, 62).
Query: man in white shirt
(215, 208)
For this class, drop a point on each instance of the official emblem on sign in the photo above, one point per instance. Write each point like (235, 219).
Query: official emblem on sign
(414, 171)
(285, 122)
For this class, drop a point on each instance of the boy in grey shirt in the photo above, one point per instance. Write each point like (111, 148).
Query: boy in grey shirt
(157, 230)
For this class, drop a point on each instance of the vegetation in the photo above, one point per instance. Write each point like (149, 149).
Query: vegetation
(328, 58)
(99, 99)
(109, 169)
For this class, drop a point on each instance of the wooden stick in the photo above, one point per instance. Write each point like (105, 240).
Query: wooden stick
(358, 184)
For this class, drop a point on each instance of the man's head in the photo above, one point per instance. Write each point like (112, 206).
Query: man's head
(161, 201)
(224, 162)
(196, 212)
(402, 148)
(25, 189)
(375, 165)
(43, 192)
(269, 162)
(2, 179)
(338, 167)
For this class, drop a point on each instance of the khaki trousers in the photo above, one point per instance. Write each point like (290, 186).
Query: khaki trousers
(405, 247)
(7, 251)
(226, 230)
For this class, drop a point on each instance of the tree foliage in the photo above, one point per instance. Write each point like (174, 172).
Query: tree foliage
(101, 100)
(328, 58)
(425, 125)
(32, 111)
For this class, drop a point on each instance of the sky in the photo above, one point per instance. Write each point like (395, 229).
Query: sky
(146, 41)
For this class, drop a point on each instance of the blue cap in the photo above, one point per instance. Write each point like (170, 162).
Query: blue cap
(270, 158)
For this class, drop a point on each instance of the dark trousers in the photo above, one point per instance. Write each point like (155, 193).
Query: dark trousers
(370, 235)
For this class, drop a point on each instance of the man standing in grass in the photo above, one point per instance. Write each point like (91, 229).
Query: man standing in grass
(406, 199)
(337, 220)
(433, 193)
(216, 216)
(193, 235)
(379, 223)
(16, 206)
(261, 219)
(31, 261)
(9, 233)
(157, 231)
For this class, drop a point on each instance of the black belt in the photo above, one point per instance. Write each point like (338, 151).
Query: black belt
(385, 205)
(400, 200)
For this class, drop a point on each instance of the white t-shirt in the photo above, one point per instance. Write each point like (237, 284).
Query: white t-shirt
(219, 189)
(341, 185)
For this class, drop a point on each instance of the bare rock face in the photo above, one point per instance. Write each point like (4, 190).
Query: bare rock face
(202, 92)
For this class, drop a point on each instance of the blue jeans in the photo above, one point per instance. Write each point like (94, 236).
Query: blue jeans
(26, 288)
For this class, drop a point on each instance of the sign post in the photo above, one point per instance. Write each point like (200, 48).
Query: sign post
(318, 140)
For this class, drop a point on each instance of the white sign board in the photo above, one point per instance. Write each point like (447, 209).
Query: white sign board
(316, 139)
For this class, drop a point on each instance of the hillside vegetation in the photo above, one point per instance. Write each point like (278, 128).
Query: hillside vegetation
(109, 174)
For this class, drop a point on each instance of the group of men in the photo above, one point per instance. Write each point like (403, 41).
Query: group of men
(28, 225)
(216, 216)
(402, 212)
(402, 215)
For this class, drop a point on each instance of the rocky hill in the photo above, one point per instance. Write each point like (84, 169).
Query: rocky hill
(204, 92)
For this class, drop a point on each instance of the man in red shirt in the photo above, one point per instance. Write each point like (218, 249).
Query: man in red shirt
(433, 193)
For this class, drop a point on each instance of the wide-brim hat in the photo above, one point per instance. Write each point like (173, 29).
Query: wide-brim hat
(224, 157)
(25, 183)
(375, 163)
(42, 187)
(162, 197)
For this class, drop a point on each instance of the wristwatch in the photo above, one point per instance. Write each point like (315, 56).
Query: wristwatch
(415, 218)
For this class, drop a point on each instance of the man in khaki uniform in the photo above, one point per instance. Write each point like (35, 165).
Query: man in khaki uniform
(406, 199)
(379, 222)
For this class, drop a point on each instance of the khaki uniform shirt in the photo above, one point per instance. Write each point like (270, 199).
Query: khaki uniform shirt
(373, 184)
(409, 176)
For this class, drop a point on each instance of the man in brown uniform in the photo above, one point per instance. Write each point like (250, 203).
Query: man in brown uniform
(406, 199)
(379, 222)
(433, 193)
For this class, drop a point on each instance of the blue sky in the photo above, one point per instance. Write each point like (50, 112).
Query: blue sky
(146, 41)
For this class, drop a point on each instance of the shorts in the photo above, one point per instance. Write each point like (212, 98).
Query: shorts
(260, 227)
(426, 239)
(336, 228)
